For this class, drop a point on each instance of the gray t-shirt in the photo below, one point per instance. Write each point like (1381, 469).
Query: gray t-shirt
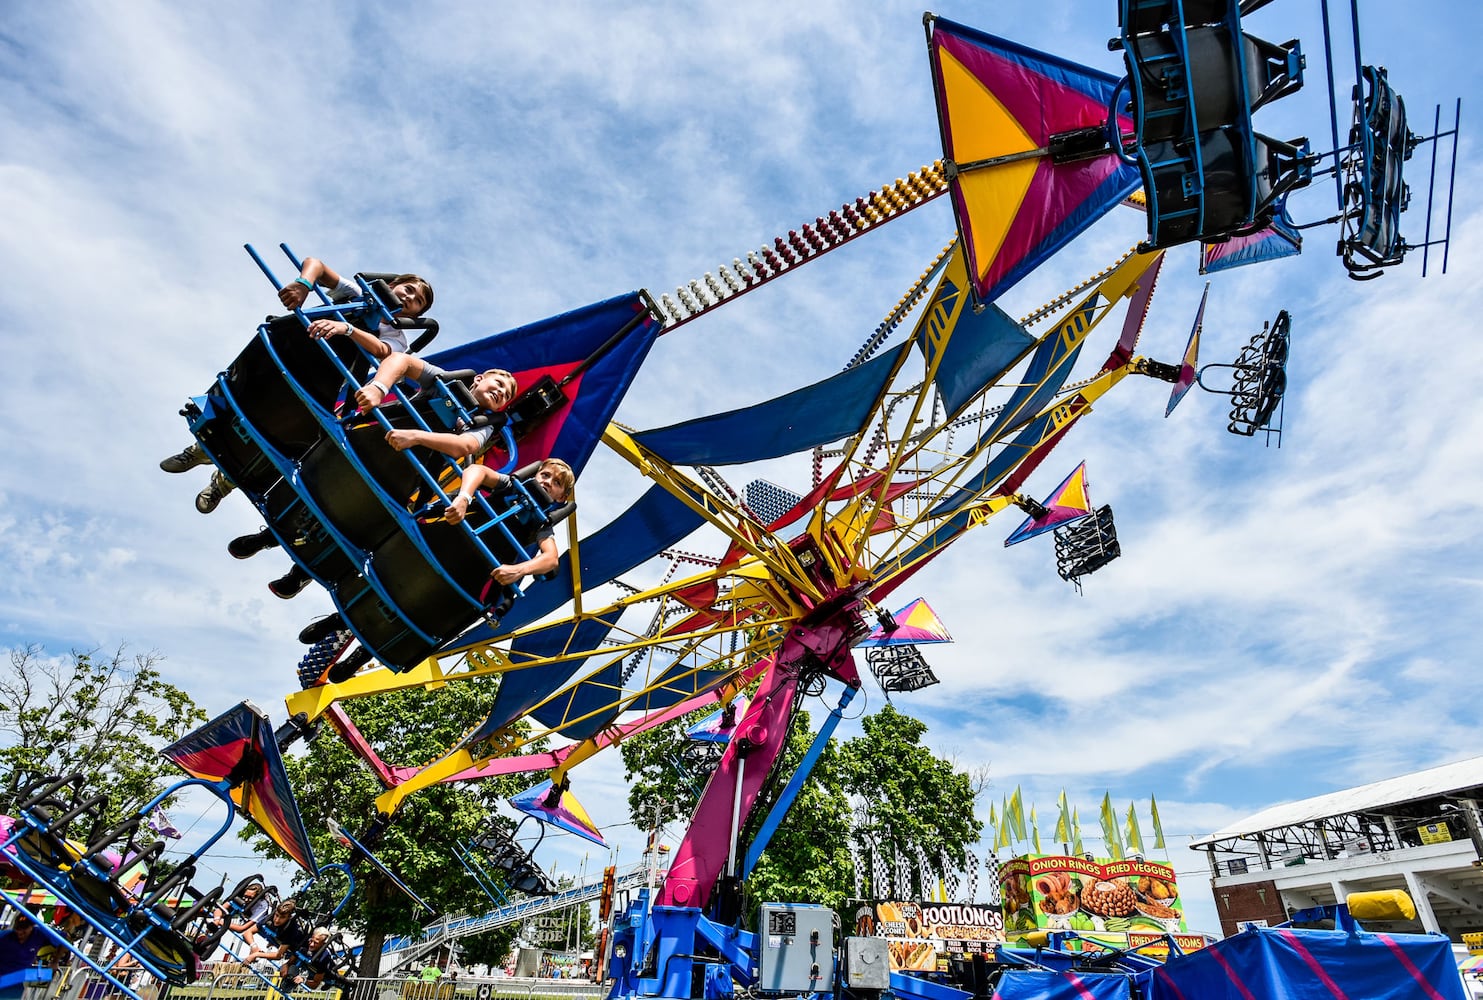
(430, 374)
(392, 336)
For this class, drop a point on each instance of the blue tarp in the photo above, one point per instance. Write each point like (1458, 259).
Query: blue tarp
(1044, 984)
(521, 690)
(1288, 964)
(593, 703)
(556, 346)
(1047, 372)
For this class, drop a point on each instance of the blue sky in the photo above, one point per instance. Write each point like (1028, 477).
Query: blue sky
(1282, 623)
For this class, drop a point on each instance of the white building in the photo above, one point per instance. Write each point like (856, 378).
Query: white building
(1419, 832)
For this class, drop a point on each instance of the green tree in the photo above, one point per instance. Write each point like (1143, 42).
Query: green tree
(490, 948)
(103, 715)
(332, 783)
(911, 804)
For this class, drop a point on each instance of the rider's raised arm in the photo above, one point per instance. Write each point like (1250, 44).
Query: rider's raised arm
(312, 272)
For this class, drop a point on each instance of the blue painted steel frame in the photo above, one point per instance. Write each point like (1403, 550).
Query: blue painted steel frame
(117, 931)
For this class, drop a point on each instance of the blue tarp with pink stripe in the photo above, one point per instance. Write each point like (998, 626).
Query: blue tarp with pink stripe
(1287, 964)
(1046, 984)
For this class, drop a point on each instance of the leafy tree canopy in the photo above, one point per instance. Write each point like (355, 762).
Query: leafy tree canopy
(104, 715)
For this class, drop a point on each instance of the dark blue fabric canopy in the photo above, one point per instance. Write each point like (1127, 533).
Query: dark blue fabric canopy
(816, 414)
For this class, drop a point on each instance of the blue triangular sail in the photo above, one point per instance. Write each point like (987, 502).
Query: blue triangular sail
(558, 346)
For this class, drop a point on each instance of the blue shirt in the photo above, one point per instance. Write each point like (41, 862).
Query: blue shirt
(16, 954)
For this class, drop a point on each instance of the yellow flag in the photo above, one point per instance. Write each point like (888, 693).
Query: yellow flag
(1110, 836)
(1035, 831)
(1076, 845)
(1017, 807)
(993, 816)
(1135, 835)
(1063, 820)
(1158, 828)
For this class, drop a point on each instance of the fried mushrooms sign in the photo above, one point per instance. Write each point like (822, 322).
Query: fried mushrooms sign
(919, 934)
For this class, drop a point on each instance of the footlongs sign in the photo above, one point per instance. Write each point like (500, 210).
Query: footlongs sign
(919, 934)
(1056, 892)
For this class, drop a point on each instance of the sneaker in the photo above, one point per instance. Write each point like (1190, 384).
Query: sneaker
(244, 546)
(208, 499)
(290, 584)
(346, 666)
(185, 460)
(321, 628)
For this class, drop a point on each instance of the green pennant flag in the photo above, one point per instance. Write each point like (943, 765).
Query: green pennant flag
(993, 816)
(1158, 828)
(1076, 845)
(1063, 820)
(1135, 835)
(1110, 837)
(1035, 831)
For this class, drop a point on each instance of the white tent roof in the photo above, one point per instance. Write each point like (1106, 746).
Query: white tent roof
(1464, 774)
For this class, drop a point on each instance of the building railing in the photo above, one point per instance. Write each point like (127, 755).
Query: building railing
(1396, 834)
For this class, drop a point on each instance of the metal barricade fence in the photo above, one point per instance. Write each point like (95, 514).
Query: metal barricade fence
(470, 988)
(229, 981)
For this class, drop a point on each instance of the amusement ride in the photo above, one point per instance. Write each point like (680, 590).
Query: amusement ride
(932, 428)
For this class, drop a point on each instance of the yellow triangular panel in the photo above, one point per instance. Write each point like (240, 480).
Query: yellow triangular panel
(981, 128)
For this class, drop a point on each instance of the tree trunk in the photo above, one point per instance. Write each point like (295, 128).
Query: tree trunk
(370, 953)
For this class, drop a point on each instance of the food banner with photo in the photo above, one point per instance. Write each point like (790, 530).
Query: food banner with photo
(921, 935)
(1057, 892)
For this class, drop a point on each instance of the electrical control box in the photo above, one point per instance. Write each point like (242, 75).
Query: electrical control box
(795, 948)
(866, 964)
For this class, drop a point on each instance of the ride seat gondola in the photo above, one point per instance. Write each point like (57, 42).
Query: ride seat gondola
(1194, 79)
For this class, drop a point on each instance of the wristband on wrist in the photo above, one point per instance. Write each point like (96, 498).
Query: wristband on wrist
(383, 388)
(305, 282)
(465, 497)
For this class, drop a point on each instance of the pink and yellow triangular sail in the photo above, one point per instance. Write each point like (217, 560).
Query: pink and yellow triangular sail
(1189, 371)
(1069, 502)
(999, 104)
(916, 624)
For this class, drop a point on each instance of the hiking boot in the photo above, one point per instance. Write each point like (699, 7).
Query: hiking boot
(346, 666)
(185, 460)
(208, 499)
(245, 546)
(321, 628)
(290, 584)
